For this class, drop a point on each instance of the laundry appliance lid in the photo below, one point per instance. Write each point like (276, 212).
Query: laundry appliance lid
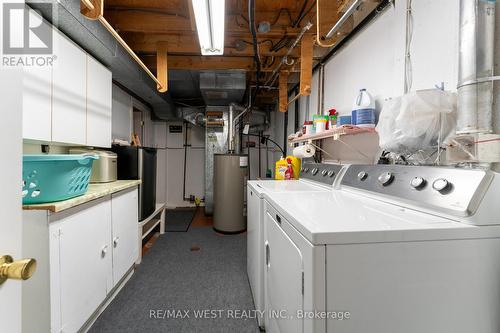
(272, 186)
(341, 217)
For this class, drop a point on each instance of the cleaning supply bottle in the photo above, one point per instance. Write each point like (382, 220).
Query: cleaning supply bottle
(289, 170)
(281, 167)
(363, 110)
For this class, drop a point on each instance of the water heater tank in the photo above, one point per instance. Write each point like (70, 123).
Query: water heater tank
(230, 175)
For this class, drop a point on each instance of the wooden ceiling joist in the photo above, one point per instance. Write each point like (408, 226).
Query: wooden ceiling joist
(162, 66)
(206, 63)
(188, 45)
(283, 91)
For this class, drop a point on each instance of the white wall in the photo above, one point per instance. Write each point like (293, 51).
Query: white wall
(170, 155)
(195, 166)
(374, 60)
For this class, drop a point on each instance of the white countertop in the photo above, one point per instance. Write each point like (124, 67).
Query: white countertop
(94, 191)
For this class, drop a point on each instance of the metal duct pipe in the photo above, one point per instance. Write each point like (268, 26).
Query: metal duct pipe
(232, 120)
(230, 135)
(476, 66)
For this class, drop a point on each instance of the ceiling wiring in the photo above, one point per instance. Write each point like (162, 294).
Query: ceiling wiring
(253, 30)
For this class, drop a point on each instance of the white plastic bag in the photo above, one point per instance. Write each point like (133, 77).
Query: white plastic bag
(417, 121)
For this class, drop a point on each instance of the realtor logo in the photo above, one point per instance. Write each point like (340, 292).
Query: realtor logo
(27, 40)
(24, 31)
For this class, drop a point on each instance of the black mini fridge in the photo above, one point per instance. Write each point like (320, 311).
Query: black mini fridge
(139, 163)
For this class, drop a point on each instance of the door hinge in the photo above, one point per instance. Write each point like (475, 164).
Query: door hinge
(302, 282)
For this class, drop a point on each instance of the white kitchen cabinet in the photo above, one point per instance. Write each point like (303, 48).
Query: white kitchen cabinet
(125, 232)
(37, 103)
(37, 97)
(85, 261)
(99, 100)
(79, 265)
(69, 92)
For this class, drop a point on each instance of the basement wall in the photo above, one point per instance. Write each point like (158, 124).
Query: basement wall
(374, 59)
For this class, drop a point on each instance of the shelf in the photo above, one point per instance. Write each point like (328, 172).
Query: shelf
(158, 209)
(333, 133)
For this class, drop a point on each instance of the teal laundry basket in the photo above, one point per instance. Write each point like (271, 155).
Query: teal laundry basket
(50, 178)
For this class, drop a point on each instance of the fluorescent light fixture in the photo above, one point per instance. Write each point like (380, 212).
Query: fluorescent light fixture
(210, 15)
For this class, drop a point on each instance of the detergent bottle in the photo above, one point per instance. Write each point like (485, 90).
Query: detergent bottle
(282, 165)
(363, 110)
(289, 170)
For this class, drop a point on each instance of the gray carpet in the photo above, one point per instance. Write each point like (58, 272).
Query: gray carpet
(179, 220)
(172, 277)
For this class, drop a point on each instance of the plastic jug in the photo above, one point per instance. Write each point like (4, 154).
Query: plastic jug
(363, 110)
(282, 167)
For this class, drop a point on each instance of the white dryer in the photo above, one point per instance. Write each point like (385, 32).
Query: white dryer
(396, 249)
(318, 178)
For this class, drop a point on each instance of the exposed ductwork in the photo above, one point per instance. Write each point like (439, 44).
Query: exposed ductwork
(476, 66)
(221, 88)
(97, 41)
(476, 141)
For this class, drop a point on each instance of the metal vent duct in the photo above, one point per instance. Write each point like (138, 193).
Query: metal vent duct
(220, 88)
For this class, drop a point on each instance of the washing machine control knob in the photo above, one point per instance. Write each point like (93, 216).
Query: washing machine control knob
(441, 185)
(386, 178)
(324, 172)
(331, 173)
(418, 183)
(314, 171)
(362, 175)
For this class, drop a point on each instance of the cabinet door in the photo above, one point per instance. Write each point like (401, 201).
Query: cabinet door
(37, 97)
(69, 112)
(85, 263)
(125, 217)
(99, 88)
(283, 279)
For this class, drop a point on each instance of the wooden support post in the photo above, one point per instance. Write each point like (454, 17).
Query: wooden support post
(306, 61)
(92, 9)
(162, 66)
(283, 85)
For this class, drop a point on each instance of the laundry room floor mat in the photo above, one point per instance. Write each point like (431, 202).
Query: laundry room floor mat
(179, 220)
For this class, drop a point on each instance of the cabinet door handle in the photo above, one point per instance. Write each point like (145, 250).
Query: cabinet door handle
(278, 218)
(268, 254)
(104, 250)
(115, 241)
(251, 193)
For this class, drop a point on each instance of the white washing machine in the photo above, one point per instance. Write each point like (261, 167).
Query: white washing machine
(318, 178)
(396, 249)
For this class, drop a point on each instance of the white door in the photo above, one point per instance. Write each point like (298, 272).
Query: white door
(10, 193)
(69, 92)
(37, 96)
(283, 279)
(85, 262)
(99, 88)
(125, 217)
